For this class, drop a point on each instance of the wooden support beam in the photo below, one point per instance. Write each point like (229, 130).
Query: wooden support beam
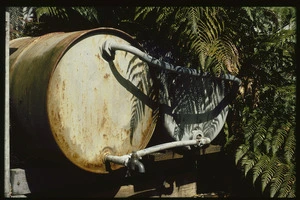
(169, 154)
(168, 174)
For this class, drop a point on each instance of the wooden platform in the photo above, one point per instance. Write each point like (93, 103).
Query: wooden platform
(168, 174)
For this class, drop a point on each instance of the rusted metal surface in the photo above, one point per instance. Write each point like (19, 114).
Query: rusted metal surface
(64, 93)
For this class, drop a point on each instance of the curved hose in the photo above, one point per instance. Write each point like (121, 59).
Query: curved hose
(110, 46)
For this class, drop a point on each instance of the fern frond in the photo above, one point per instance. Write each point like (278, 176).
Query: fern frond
(260, 166)
(268, 141)
(143, 12)
(89, 13)
(241, 151)
(212, 25)
(164, 14)
(194, 16)
(278, 179)
(251, 128)
(290, 146)
(288, 186)
(59, 12)
(269, 172)
(259, 137)
(248, 162)
(278, 140)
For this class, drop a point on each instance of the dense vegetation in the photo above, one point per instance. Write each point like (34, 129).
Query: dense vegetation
(257, 44)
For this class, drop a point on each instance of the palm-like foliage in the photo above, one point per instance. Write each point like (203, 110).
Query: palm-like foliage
(199, 32)
(89, 13)
(268, 121)
(270, 144)
(264, 114)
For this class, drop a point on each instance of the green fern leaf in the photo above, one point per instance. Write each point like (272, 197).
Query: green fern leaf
(143, 12)
(259, 137)
(260, 166)
(268, 141)
(241, 151)
(59, 12)
(290, 146)
(288, 186)
(278, 140)
(278, 179)
(194, 15)
(269, 172)
(248, 162)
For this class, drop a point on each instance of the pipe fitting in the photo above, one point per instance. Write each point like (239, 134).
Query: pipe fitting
(134, 162)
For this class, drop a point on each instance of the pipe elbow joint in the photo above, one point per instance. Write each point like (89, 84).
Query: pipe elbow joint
(140, 166)
(135, 163)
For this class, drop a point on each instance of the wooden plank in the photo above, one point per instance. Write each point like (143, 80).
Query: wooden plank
(169, 154)
(186, 190)
(168, 178)
(211, 149)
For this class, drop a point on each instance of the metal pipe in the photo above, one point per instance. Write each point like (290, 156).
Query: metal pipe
(140, 166)
(169, 145)
(7, 187)
(131, 160)
(134, 162)
(110, 46)
(121, 160)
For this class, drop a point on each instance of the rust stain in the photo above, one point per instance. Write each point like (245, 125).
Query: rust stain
(64, 86)
(58, 115)
(106, 76)
(98, 56)
(103, 122)
(127, 131)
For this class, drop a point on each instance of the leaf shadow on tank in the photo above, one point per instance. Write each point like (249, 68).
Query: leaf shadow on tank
(138, 72)
(139, 98)
(211, 116)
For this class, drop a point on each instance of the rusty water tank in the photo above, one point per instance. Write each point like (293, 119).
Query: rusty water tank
(64, 95)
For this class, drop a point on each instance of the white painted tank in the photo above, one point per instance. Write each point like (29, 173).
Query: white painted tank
(64, 94)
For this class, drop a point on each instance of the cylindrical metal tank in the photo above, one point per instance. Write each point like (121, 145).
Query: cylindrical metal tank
(64, 96)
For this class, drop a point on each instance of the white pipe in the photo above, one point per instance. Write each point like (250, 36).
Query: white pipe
(121, 160)
(165, 146)
(125, 159)
(110, 46)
